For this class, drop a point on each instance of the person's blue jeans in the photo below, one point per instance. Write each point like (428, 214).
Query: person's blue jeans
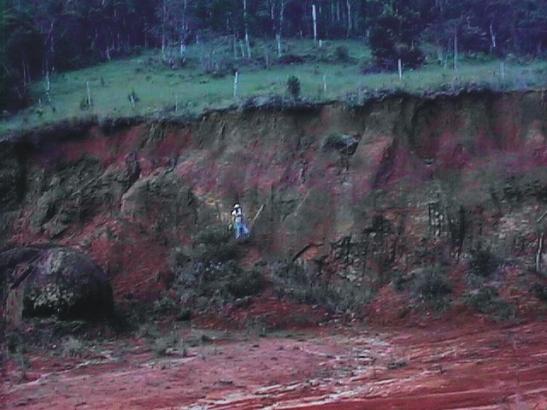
(241, 230)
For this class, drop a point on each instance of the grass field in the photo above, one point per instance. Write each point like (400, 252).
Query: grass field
(191, 89)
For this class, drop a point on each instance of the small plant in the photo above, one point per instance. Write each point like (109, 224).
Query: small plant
(16, 350)
(72, 347)
(256, 327)
(184, 315)
(293, 87)
(165, 305)
(399, 281)
(86, 103)
(133, 98)
(148, 331)
(170, 343)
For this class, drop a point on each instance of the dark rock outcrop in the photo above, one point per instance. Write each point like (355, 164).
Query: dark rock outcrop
(45, 281)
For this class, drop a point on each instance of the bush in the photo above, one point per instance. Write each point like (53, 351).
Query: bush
(291, 59)
(540, 291)
(215, 244)
(483, 262)
(204, 285)
(211, 276)
(433, 288)
(399, 281)
(344, 143)
(293, 87)
(292, 280)
(248, 283)
(487, 301)
(341, 54)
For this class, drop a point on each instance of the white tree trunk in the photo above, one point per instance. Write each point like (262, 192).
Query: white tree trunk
(248, 44)
(400, 66)
(89, 102)
(324, 83)
(48, 83)
(314, 17)
(456, 51)
(278, 40)
(236, 83)
(492, 37)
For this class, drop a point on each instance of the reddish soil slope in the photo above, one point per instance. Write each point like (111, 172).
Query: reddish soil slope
(466, 364)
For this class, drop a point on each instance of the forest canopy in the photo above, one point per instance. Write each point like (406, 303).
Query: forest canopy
(40, 37)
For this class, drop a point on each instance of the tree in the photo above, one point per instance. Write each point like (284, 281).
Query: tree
(395, 35)
(293, 87)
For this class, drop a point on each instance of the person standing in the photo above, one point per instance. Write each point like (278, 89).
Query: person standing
(241, 230)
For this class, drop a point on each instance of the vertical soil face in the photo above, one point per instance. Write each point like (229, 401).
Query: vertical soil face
(417, 201)
(354, 192)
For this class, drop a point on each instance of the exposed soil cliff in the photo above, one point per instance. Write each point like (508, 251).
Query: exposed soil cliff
(354, 193)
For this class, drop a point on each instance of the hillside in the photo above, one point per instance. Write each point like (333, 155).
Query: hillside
(424, 216)
(273, 204)
(146, 86)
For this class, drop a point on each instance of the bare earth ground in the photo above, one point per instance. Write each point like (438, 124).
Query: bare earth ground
(466, 363)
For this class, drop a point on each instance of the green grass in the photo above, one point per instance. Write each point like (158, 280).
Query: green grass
(158, 86)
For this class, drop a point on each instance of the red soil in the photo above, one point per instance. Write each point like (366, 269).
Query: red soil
(466, 363)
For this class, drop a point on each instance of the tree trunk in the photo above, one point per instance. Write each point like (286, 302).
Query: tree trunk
(456, 51)
(314, 17)
(492, 38)
(245, 23)
(236, 83)
(248, 44)
(348, 6)
(163, 17)
(89, 102)
(280, 28)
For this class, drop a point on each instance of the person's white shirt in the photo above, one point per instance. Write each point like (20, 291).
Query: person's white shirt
(237, 214)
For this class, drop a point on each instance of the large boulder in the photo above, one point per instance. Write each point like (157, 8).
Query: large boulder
(46, 281)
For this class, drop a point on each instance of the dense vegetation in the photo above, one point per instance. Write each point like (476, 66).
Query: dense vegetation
(41, 37)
